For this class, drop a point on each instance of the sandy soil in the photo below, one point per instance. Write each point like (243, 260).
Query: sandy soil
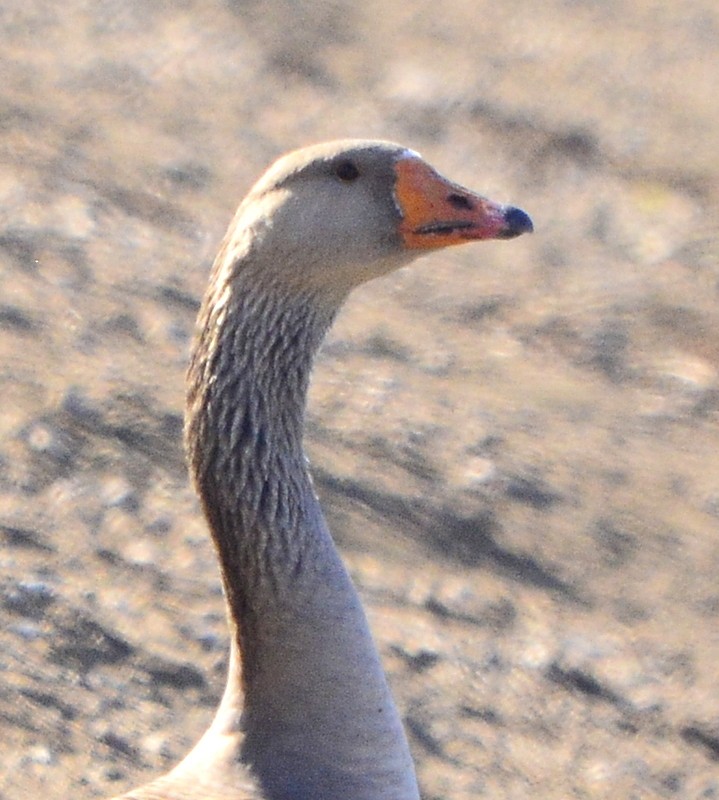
(515, 442)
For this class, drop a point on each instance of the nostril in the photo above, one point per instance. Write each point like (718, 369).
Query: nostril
(460, 201)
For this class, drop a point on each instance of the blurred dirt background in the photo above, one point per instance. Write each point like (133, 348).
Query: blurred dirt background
(515, 442)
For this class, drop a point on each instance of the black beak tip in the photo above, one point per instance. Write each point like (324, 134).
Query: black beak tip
(517, 222)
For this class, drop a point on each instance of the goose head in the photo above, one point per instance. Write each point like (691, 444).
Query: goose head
(332, 216)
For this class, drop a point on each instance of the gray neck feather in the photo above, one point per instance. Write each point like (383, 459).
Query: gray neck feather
(247, 387)
(317, 719)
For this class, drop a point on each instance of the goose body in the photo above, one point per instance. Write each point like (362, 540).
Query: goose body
(306, 712)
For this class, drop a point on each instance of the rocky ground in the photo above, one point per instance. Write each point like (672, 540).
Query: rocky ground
(515, 442)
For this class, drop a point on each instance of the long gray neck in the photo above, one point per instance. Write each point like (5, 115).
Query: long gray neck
(318, 718)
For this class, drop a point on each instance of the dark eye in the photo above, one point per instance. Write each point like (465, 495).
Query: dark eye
(347, 171)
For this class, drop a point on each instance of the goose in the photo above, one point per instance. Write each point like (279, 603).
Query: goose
(306, 711)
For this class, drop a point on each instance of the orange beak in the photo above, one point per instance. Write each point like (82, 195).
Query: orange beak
(438, 213)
